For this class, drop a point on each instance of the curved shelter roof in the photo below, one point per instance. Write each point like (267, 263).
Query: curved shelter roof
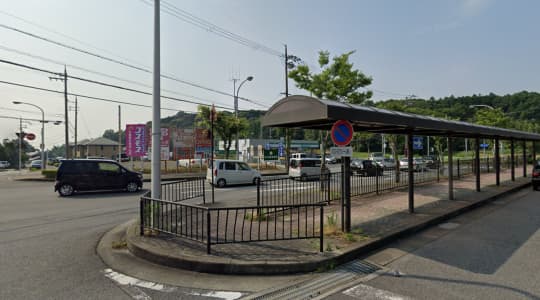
(312, 113)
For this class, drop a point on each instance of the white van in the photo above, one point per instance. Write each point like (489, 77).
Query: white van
(304, 167)
(228, 172)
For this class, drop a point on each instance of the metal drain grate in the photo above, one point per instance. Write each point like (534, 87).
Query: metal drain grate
(327, 281)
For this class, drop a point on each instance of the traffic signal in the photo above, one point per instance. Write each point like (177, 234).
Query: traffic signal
(19, 134)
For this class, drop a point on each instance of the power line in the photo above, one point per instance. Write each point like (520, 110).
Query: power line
(63, 35)
(86, 96)
(125, 64)
(19, 52)
(104, 84)
(208, 26)
(28, 111)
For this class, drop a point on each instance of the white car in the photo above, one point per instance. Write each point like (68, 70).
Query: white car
(230, 172)
(304, 168)
(191, 162)
(4, 164)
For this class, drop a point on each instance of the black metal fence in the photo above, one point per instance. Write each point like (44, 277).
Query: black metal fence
(184, 189)
(226, 225)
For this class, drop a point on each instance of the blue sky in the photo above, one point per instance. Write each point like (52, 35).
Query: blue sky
(425, 48)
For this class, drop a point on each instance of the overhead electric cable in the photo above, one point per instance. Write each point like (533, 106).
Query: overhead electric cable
(105, 84)
(121, 62)
(86, 96)
(19, 52)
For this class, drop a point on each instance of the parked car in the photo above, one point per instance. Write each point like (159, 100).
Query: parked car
(4, 164)
(299, 155)
(418, 164)
(536, 176)
(374, 155)
(431, 161)
(35, 164)
(329, 159)
(379, 161)
(123, 157)
(389, 163)
(366, 167)
(304, 168)
(93, 174)
(192, 162)
(230, 172)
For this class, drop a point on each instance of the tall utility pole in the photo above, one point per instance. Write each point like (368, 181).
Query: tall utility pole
(64, 78)
(120, 135)
(156, 113)
(76, 113)
(287, 132)
(66, 112)
(20, 143)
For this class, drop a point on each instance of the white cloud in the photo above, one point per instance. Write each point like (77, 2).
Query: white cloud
(471, 8)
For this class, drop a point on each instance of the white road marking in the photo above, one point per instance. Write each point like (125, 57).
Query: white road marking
(363, 291)
(220, 295)
(448, 225)
(122, 279)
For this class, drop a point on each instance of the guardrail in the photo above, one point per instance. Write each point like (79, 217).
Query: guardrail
(226, 225)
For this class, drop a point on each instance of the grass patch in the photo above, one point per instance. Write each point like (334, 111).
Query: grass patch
(331, 228)
(119, 244)
(49, 174)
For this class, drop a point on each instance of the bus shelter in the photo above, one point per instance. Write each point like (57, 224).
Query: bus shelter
(312, 113)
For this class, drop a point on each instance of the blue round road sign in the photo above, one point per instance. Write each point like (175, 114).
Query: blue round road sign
(342, 133)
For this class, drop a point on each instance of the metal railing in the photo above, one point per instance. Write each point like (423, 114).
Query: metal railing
(226, 225)
(294, 190)
(184, 189)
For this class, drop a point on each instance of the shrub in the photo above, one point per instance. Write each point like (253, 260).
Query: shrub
(49, 174)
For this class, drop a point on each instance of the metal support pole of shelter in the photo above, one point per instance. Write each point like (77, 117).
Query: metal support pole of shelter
(524, 158)
(347, 191)
(497, 162)
(477, 163)
(450, 169)
(512, 160)
(533, 152)
(410, 170)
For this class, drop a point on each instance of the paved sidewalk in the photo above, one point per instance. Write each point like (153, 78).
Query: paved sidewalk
(376, 221)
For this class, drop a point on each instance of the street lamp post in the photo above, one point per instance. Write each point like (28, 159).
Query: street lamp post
(42, 145)
(236, 91)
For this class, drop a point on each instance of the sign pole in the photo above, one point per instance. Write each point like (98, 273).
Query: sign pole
(212, 116)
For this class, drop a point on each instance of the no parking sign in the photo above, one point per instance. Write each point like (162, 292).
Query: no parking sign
(342, 133)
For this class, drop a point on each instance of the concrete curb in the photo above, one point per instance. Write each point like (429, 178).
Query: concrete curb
(212, 264)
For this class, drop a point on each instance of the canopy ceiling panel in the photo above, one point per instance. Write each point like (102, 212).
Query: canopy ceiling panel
(312, 113)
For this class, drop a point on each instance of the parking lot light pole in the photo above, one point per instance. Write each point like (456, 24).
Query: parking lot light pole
(236, 92)
(42, 146)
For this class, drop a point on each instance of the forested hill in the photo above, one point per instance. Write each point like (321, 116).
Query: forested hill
(523, 105)
(520, 111)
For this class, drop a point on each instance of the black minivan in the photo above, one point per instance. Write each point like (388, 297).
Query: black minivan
(93, 174)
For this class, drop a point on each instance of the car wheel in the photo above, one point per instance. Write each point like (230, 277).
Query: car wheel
(221, 183)
(132, 187)
(256, 180)
(65, 190)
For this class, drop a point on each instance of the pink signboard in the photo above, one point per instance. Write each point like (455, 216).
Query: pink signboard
(165, 137)
(135, 140)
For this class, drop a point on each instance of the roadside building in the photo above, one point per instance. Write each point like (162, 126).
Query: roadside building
(98, 147)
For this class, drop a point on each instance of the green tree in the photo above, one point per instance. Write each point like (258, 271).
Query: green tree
(113, 135)
(225, 126)
(337, 81)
